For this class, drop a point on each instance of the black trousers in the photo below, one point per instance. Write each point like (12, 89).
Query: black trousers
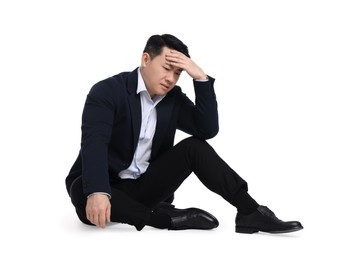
(133, 200)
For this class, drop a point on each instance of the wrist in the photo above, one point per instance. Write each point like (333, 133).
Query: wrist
(99, 193)
(202, 78)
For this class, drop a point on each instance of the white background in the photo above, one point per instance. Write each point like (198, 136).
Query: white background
(277, 66)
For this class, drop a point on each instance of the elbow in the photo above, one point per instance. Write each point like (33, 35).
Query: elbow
(213, 133)
(213, 129)
(210, 133)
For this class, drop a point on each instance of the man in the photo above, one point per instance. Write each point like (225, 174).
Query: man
(128, 167)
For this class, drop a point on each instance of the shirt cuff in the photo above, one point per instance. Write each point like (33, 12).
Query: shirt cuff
(103, 193)
(202, 80)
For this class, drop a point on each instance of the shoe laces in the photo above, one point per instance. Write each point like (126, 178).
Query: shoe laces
(267, 212)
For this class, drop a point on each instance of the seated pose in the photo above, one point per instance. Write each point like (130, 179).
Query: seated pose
(128, 167)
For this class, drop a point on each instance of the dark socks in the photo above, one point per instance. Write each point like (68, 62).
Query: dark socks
(244, 203)
(159, 220)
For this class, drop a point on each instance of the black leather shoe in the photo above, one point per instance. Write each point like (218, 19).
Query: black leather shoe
(263, 219)
(191, 218)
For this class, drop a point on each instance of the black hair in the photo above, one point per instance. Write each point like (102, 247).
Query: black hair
(156, 43)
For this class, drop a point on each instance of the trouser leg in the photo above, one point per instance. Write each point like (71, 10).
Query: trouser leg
(166, 174)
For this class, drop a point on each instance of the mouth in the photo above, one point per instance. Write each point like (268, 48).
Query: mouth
(164, 86)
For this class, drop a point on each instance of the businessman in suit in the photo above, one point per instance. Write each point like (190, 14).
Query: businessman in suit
(128, 167)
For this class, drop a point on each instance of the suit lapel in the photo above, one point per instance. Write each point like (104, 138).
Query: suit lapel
(164, 112)
(135, 106)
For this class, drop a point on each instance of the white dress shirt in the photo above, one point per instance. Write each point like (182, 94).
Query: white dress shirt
(143, 150)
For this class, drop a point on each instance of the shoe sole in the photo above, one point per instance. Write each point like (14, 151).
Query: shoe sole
(250, 230)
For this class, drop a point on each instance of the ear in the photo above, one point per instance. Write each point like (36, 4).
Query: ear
(145, 59)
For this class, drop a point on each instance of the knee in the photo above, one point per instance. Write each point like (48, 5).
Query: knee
(76, 193)
(193, 142)
(82, 217)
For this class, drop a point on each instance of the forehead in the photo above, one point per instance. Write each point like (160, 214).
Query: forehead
(162, 58)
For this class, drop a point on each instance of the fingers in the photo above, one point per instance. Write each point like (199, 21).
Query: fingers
(99, 219)
(107, 215)
(178, 59)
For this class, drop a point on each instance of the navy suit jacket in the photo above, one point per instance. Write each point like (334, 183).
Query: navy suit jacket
(111, 123)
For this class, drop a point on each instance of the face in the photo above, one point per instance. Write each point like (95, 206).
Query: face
(159, 76)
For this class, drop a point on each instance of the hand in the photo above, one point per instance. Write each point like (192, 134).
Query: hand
(98, 209)
(178, 59)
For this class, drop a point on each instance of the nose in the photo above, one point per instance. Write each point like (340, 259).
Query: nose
(170, 78)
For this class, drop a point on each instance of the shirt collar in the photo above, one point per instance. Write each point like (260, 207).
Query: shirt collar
(140, 83)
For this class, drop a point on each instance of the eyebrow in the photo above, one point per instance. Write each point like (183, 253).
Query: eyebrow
(178, 70)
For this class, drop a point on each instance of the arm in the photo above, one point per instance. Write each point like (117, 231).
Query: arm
(97, 120)
(199, 119)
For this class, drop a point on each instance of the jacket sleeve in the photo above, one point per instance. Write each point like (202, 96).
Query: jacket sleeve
(200, 119)
(97, 123)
